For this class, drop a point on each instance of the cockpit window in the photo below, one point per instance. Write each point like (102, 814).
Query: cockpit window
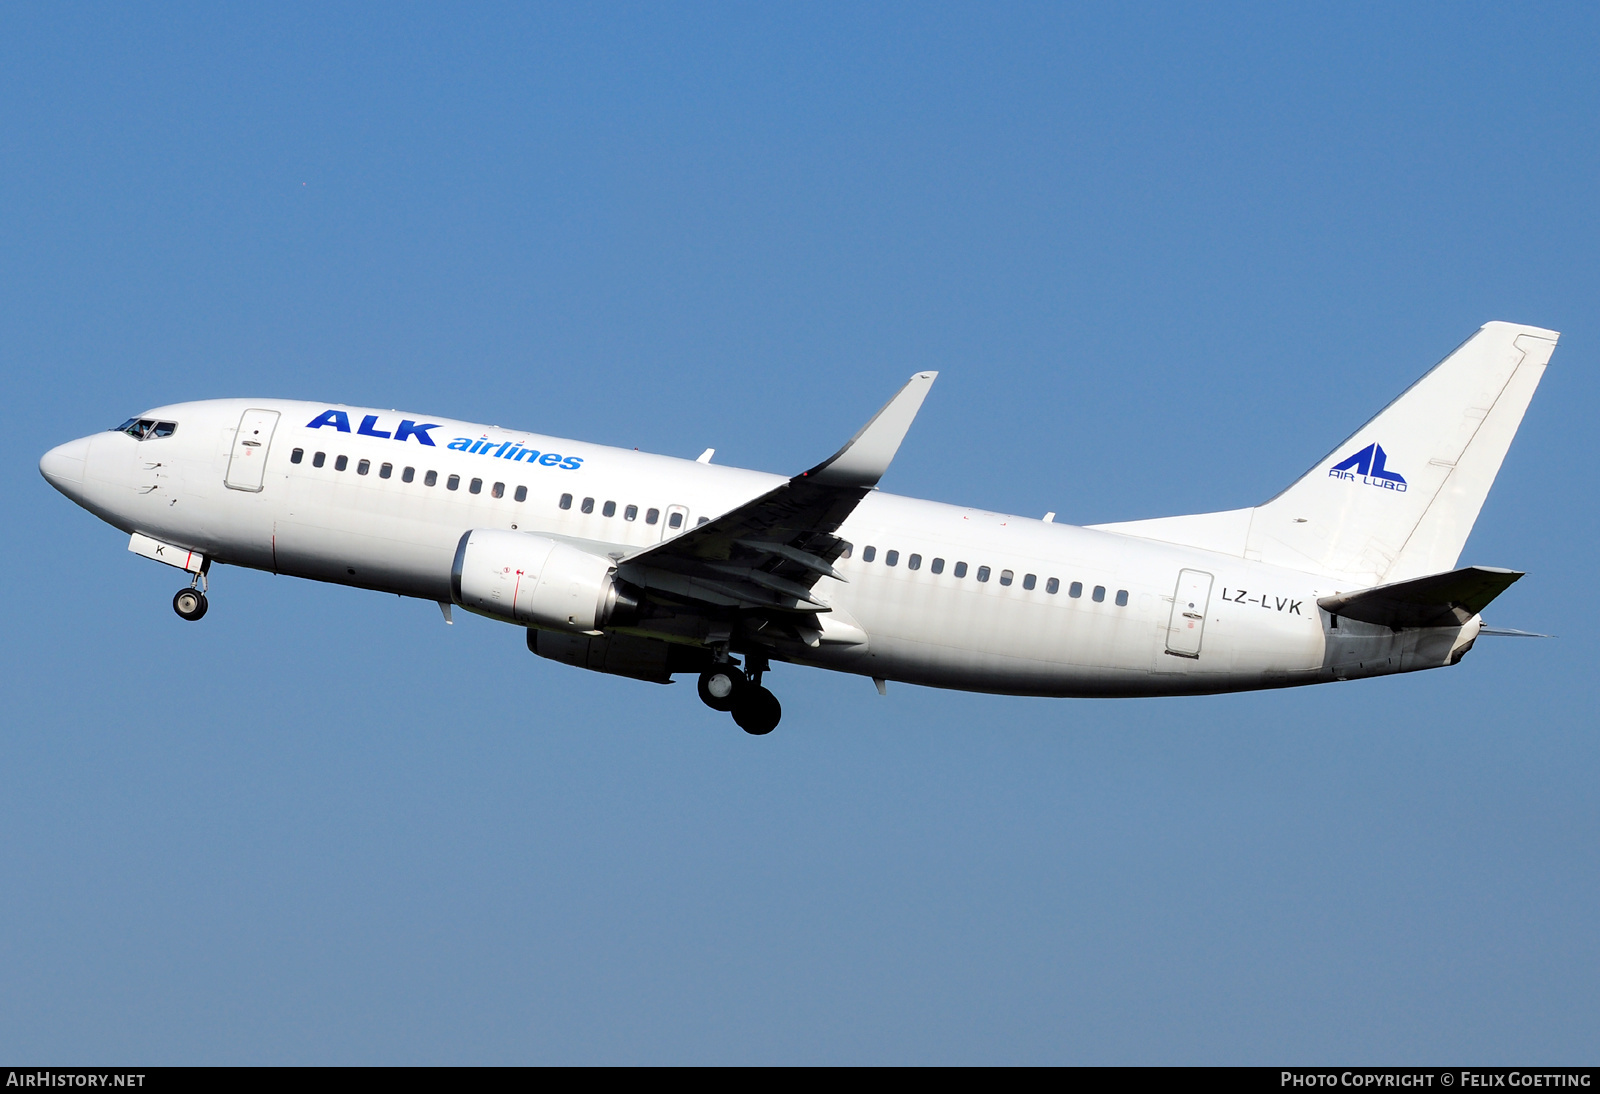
(146, 428)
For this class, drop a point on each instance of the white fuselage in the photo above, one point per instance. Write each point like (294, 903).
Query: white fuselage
(1259, 625)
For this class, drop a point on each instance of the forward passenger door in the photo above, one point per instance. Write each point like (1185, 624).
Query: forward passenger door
(247, 463)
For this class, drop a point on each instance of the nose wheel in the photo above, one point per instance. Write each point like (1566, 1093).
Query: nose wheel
(190, 604)
(755, 710)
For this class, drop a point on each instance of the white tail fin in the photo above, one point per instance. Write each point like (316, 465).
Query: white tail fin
(1398, 498)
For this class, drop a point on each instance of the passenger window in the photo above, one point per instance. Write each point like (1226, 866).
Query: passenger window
(476, 486)
(846, 552)
(521, 494)
(1053, 586)
(961, 569)
(1122, 598)
(297, 455)
(587, 506)
(363, 467)
(652, 515)
(914, 562)
(319, 459)
(566, 501)
(702, 520)
(1006, 576)
(453, 482)
(937, 565)
(430, 479)
(675, 520)
(1075, 590)
(631, 513)
(341, 463)
(1029, 581)
(408, 475)
(983, 573)
(868, 554)
(609, 509)
(891, 558)
(1099, 593)
(386, 470)
(498, 490)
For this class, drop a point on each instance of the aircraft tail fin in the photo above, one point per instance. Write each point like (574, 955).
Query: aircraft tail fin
(1398, 498)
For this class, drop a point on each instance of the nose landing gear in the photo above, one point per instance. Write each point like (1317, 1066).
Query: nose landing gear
(191, 603)
(726, 688)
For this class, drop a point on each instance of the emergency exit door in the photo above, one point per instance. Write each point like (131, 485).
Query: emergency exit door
(247, 464)
(1187, 624)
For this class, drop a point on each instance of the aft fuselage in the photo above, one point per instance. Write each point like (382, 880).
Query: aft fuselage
(933, 593)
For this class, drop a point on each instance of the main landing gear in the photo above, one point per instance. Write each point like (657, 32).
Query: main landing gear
(191, 603)
(725, 687)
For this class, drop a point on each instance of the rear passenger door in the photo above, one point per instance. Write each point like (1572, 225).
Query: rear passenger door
(1187, 624)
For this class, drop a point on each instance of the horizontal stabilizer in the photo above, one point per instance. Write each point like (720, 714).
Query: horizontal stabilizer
(1509, 632)
(1438, 600)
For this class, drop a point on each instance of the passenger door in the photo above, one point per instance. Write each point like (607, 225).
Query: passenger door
(1187, 624)
(247, 463)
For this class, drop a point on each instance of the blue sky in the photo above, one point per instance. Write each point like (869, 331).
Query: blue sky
(1163, 257)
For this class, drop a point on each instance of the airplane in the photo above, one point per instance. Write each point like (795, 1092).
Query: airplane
(649, 566)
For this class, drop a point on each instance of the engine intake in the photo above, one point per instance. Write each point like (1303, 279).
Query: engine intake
(534, 580)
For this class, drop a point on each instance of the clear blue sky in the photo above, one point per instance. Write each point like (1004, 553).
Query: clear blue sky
(1163, 257)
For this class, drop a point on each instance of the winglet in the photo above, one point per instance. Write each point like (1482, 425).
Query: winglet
(865, 457)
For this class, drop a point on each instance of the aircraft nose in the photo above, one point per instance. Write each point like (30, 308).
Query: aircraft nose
(63, 465)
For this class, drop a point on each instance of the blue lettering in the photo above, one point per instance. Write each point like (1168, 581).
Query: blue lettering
(335, 418)
(366, 429)
(1360, 463)
(408, 428)
(549, 459)
(571, 463)
(501, 451)
(529, 454)
(460, 444)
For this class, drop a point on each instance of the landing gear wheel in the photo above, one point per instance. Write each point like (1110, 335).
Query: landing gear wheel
(757, 710)
(720, 686)
(190, 604)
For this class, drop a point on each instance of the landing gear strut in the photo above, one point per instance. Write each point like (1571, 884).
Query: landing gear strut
(191, 603)
(725, 687)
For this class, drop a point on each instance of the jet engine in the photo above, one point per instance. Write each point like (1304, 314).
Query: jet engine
(535, 580)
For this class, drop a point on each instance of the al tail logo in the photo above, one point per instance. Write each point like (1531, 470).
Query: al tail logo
(1367, 466)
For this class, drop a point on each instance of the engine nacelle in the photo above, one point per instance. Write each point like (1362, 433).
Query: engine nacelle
(535, 580)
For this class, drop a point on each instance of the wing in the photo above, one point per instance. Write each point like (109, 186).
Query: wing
(767, 555)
